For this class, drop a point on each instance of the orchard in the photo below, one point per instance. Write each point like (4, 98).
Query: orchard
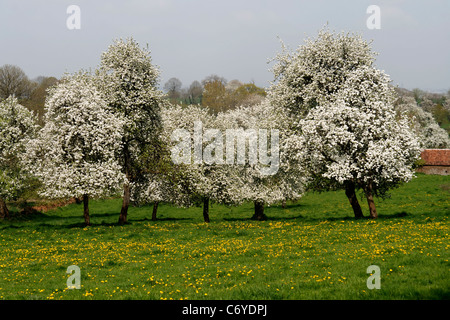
(328, 122)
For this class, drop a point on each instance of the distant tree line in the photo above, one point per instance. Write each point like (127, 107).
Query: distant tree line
(30, 93)
(215, 92)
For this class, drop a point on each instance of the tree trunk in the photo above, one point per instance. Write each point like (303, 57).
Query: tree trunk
(372, 209)
(259, 211)
(351, 195)
(87, 220)
(126, 185)
(155, 210)
(283, 204)
(125, 204)
(4, 212)
(206, 209)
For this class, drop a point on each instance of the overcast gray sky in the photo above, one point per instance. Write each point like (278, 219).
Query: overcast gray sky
(234, 39)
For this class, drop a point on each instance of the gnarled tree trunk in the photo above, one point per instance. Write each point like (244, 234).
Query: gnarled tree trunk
(372, 209)
(206, 209)
(155, 210)
(351, 195)
(259, 211)
(4, 212)
(126, 185)
(125, 204)
(87, 220)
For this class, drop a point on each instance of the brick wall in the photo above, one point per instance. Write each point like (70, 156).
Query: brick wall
(437, 161)
(436, 157)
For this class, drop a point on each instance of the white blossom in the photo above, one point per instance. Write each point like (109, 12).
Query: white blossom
(345, 131)
(229, 182)
(423, 124)
(17, 127)
(314, 73)
(128, 80)
(357, 136)
(74, 153)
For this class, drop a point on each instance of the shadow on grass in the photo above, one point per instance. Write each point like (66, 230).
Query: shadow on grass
(161, 219)
(393, 216)
(82, 225)
(319, 219)
(39, 216)
(249, 218)
(115, 223)
(44, 220)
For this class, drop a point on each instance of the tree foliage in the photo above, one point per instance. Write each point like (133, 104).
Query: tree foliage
(36, 101)
(14, 81)
(339, 122)
(173, 89)
(347, 132)
(129, 80)
(74, 154)
(316, 71)
(17, 128)
(423, 124)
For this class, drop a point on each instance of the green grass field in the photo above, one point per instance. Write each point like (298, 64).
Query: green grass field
(312, 249)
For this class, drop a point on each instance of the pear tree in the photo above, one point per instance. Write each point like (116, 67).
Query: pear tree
(74, 153)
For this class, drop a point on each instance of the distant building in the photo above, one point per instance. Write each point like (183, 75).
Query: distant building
(437, 161)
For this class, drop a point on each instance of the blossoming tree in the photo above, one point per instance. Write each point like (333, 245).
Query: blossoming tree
(347, 132)
(201, 177)
(231, 157)
(271, 179)
(361, 144)
(128, 80)
(74, 153)
(17, 127)
(316, 71)
(160, 180)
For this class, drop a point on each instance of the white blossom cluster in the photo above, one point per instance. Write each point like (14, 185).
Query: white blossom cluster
(315, 72)
(287, 183)
(174, 183)
(128, 81)
(343, 115)
(338, 148)
(225, 182)
(423, 124)
(214, 181)
(17, 127)
(74, 153)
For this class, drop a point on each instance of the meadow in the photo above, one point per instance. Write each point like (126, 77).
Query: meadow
(311, 249)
